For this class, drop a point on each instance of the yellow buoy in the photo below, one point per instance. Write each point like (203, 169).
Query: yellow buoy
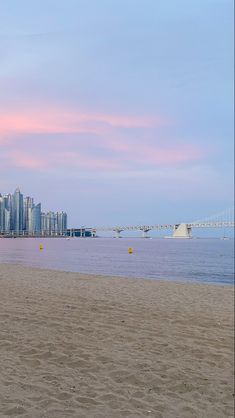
(41, 247)
(130, 250)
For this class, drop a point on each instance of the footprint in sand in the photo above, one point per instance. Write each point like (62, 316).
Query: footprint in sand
(16, 410)
(63, 396)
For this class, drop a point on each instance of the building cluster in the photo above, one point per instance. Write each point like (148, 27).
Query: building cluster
(21, 216)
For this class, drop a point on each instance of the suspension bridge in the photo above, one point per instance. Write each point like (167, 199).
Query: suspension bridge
(223, 219)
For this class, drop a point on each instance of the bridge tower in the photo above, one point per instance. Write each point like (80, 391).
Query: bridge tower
(182, 231)
(145, 232)
(117, 232)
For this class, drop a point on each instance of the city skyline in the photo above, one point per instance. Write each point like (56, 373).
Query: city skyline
(19, 215)
(121, 112)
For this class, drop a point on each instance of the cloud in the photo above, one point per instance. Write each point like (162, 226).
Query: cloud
(104, 157)
(26, 160)
(156, 154)
(55, 139)
(61, 120)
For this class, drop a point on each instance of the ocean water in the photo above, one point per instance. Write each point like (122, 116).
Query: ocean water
(198, 260)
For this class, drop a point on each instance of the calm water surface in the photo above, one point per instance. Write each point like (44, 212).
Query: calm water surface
(201, 260)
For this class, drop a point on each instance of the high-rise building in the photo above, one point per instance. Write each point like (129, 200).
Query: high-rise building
(49, 223)
(28, 206)
(21, 216)
(36, 219)
(61, 219)
(4, 214)
(18, 210)
(54, 223)
(1, 214)
(9, 207)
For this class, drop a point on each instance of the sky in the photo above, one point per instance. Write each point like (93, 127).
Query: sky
(118, 111)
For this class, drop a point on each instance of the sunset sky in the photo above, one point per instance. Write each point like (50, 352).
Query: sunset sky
(118, 111)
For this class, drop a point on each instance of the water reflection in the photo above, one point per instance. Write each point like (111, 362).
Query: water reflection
(198, 259)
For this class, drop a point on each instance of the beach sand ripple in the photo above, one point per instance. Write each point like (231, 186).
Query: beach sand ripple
(74, 345)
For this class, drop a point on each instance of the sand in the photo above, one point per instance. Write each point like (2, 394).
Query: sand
(74, 345)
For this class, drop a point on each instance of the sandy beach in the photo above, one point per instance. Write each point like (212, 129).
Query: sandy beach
(74, 345)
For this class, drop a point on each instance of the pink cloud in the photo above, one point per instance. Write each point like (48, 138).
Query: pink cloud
(117, 156)
(59, 120)
(25, 160)
(155, 154)
(68, 160)
(111, 150)
(174, 155)
(91, 162)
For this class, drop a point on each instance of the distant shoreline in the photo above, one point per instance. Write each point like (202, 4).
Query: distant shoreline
(113, 237)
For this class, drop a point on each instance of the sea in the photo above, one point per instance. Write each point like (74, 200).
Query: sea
(186, 260)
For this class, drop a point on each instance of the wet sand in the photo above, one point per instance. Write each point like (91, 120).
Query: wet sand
(74, 345)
